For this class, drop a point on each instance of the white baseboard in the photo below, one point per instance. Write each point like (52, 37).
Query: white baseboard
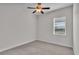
(29, 42)
(16, 45)
(56, 44)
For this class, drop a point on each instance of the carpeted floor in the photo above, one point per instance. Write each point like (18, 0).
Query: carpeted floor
(39, 48)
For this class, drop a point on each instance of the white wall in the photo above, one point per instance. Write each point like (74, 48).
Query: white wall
(76, 28)
(17, 25)
(45, 30)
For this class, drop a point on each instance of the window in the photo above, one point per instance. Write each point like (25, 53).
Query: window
(59, 26)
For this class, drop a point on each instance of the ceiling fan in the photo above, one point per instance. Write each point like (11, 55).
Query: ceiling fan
(39, 8)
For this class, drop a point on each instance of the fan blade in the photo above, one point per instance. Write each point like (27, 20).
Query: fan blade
(31, 7)
(42, 12)
(34, 11)
(46, 8)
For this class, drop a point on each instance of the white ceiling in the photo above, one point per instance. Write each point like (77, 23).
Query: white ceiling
(53, 6)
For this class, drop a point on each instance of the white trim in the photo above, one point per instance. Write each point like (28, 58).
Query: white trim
(16, 45)
(57, 43)
(54, 26)
(75, 29)
(32, 41)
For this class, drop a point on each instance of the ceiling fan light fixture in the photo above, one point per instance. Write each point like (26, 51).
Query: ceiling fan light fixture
(39, 8)
(38, 11)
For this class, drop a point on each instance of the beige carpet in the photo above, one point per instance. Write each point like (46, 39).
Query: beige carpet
(39, 48)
